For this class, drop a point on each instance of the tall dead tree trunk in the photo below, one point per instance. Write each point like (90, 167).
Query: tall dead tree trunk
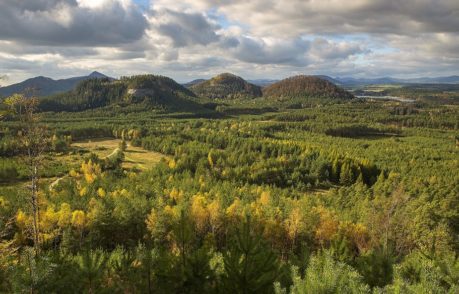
(34, 140)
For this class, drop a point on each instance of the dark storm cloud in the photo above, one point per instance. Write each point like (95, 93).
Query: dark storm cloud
(65, 22)
(186, 28)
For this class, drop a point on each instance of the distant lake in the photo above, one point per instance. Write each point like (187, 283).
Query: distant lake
(387, 98)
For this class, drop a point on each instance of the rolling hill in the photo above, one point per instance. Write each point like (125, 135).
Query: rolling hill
(226, 86)
(151, 91)
(305, 87)
(43, 86)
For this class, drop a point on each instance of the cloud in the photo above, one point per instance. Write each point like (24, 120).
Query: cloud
(325, 49)
(15, 48)
(71, 22)
(185, 28)
(295, 17)
(275, 51)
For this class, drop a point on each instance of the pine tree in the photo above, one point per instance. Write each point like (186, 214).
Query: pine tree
(250, 265)
(91, 268)
(324, 275)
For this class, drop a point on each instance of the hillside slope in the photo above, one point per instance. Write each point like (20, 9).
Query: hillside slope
(226, 86)
(149, 90)
(305, 87)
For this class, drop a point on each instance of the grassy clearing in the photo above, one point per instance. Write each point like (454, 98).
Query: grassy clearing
(134, 157)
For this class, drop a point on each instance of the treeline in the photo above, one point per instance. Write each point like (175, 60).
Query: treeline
(88, 94)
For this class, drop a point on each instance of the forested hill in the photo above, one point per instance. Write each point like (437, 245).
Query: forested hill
(44, 86)
(226, 86)
(193, 82)
(305, 87)
(150, 90)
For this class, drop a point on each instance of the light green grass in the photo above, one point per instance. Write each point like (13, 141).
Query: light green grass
(134, 157)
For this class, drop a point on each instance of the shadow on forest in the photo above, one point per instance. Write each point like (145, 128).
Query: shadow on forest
(362, 132)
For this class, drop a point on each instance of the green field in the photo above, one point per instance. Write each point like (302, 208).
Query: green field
(135, 157)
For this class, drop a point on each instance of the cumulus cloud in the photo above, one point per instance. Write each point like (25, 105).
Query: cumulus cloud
(325, 49)
(275, 51)
(336, 16)
(185, 28)
(71, 22)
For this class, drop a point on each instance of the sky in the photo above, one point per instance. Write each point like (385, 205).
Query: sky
(255, 39)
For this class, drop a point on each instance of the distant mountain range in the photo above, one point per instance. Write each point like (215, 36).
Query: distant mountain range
(263, 82)
(44, 86)
(347, 81)
(193, 82)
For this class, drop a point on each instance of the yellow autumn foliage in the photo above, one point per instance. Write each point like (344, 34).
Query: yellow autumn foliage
(175, 194)
(83, 191)
(199, 211)
(48, 219)
(328, 225)
(65, 215)
(152, 220)
(265, 198)
(78, 219)
(294, 223)
(21, 219)
(215, 214)
(73, 173)
(101, 192)
(233, 211)
(172, 212)
(3, 202)
(90, 171)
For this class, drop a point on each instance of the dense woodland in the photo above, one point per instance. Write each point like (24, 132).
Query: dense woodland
(305, 86)
(150, 91)
(297, 195)
(226, 86)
